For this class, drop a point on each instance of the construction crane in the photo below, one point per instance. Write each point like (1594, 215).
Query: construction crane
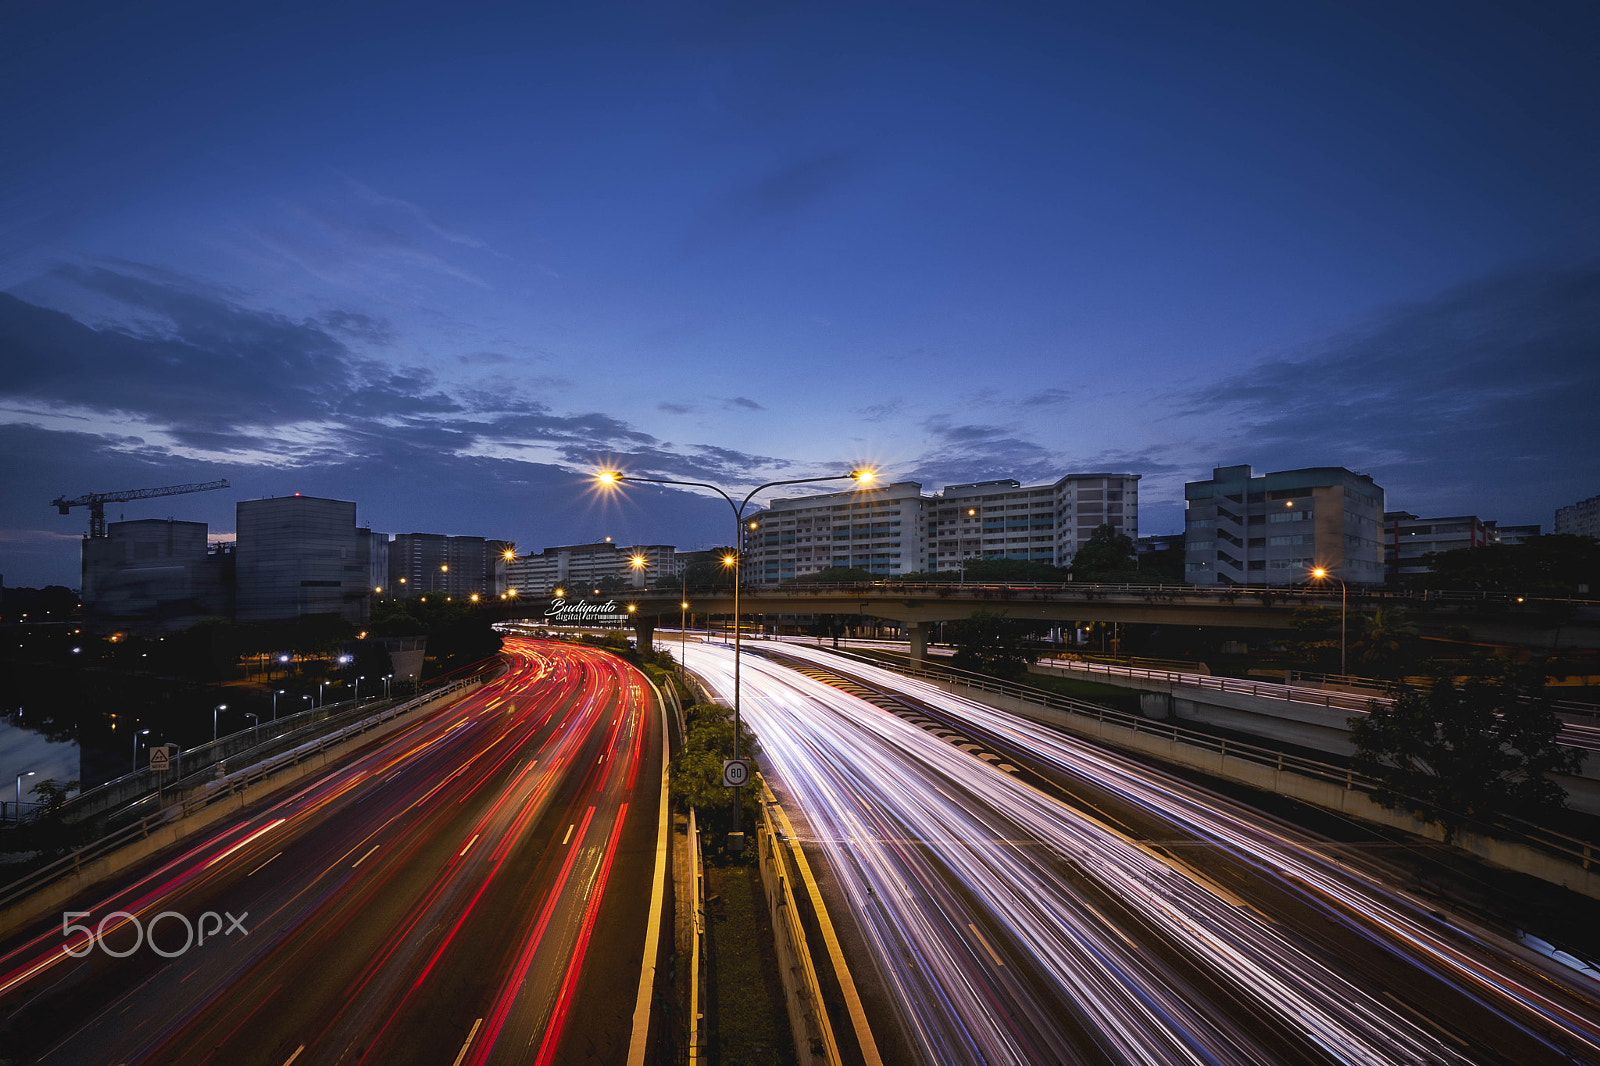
(96, 501)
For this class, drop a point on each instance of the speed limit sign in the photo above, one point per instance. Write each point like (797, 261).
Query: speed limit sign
(735, 773)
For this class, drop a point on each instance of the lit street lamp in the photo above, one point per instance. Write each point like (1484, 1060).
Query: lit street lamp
(612, 478)
(255, 727)
(308, 699)
(386, 678)
(1321, 574)
(136, 736)
(275, 696)
(30, 773)
(214, 710)
(360, 679)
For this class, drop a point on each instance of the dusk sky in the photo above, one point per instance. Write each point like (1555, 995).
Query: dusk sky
(447, 260)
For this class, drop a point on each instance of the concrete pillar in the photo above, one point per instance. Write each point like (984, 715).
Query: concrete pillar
(917, 634)
(644, 629)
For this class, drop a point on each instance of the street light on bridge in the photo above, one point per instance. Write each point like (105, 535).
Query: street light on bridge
(1319, 574)
(614, 478)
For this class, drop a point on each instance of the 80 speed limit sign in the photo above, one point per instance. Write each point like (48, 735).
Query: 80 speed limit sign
(735, 773)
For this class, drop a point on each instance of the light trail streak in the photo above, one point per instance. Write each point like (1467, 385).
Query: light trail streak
(920, 834)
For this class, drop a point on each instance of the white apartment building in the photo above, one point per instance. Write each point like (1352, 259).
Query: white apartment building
(1581, 519)
(581, 565)
(896, 529)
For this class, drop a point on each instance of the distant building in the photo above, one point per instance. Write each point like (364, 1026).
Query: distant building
(895, 529)
(1272, 529)
(586, 565)
(1512, 534)
(424, 563)
(1581, 519)
(155, 576)
(300, 555)
(1410, 540)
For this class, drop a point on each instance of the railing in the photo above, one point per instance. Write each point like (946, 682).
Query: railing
(1571, 849)
(1265, 690)
(212, 792)
(1227, 594)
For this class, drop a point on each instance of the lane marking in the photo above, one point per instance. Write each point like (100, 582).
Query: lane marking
(568, 837)
(262, 866)
(652, 930)
(296, 1055)
(471, 842)
(985, 944)
(363, 858)
(463, 1052)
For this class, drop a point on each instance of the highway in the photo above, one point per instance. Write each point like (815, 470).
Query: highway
(1025, 898)
(468, 890)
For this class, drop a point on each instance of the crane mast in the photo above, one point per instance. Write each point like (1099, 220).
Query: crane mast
(96, 501)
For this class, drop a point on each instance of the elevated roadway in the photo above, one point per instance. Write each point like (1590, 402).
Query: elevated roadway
(1491, 618)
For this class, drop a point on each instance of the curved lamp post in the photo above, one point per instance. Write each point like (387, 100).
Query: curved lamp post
(1319, 574)
(612, 478)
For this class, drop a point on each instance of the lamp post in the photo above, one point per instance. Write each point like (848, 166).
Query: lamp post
(360, 679)
(214, 710)
(30, 773)
(275, 696)
(1321, 573)
(612, 478)
(136, 736)
(255, 727)
(308, 699)
(386, 678)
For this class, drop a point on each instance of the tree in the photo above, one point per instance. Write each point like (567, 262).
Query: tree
(1460, 752)
(1384, 643)
(1104, 554)
(989, 643)
(1553, 565)
(694, 777)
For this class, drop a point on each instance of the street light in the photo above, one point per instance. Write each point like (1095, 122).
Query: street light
(360, 679)
(308, 699)
(386, 678)
(1320, 573)
(30, 773)
(612, 478)
(214, 710)
(255, 726)
(275, 696)
(136, 736)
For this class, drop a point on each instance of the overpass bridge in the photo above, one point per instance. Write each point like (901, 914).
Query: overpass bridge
(1546, 624)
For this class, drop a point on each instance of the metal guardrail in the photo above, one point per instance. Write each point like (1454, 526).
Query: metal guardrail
(1582, 853)
(1265, 689)
(213, 792)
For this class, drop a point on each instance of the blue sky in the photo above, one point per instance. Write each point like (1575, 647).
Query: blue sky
(444, 262)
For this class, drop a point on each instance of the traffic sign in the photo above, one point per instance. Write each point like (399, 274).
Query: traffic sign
(161, 759)
(735, 773)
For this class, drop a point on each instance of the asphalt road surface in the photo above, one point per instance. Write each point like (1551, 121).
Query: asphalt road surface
(472, 889)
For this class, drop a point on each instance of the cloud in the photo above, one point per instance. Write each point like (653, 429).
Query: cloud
(766, 202)
(1491, 383)
(741, 403)
(676, 408)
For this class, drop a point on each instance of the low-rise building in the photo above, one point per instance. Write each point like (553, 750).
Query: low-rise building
(1581, 519)
(587, 565)
(1409, 540)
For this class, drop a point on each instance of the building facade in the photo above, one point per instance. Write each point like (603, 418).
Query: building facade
(895, 529)
(155, 576)
(1408, 540)
(1272, 529)
(300, 555)
(1581, 519)
(421, 564)
(586, 565)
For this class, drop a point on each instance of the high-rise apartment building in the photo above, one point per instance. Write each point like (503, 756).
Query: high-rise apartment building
(424, 563)
(896, 529)
(1581, 519)
(1272, 529)
(299, 555)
